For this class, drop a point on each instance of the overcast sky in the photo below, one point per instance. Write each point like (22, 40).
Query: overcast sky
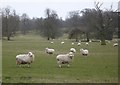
(36, 8)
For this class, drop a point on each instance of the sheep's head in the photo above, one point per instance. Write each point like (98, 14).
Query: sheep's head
(30, 54)
(71, 55)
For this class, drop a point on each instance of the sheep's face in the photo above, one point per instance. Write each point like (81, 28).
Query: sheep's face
(30, 54)
(71, 55)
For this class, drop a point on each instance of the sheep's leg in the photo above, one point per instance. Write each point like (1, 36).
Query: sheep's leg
(20, 65)
(28, 65)
(60, 65)
(68, 65)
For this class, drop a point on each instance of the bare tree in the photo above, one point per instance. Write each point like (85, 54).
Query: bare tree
(104, 22)
(51, 25)
(24, 23)
(74, 25)
(10, 22)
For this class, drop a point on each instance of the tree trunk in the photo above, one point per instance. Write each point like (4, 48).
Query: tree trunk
(48, 38)
(103, 37)
(87, 35)
(76, 39)
(8, 38)
(103, 40)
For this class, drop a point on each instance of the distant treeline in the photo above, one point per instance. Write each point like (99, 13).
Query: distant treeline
(92, 23)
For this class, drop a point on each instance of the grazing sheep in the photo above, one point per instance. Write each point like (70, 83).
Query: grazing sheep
(73, 50)
(79, 44)
(87, 43)
(90, 41)
(62, 42)
(84, 52)
(51, 42)
(72, 43)
(49, 51)
(25, 59)
(115, 44)
(65, 59)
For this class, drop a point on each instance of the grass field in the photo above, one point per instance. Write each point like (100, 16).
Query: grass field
(101, 65)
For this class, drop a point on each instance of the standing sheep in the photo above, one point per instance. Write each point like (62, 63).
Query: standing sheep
(62, 42)
(84, 52)
(65, 59)
(49, 51)
(25, 59)
(79, 44)
(51, 42)
(87, 43)
(115, 44)
(72, 43)
(73, 50)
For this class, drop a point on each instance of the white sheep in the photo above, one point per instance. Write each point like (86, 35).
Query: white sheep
(84, 52)
(25, 59)
(115, 44)
(73, 50)
(87, 43)
(72, 43)
(78, 44)
(65, 59)
(79, 40)
(49, 50)
(62, 42)
(90, 41)
(51, 42)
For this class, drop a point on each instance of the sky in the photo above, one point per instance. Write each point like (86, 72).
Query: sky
(36, 8)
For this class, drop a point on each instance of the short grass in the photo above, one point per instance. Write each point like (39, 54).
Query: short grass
(101, 65)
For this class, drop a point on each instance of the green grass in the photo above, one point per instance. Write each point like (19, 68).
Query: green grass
(101, 65)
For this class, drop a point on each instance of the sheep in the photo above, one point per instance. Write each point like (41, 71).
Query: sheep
(49, 51)
(78, 44)
(62, 42)
(79, 40)
(90, 41)
(115, 44)
(84, 52)
(73, 50)
(25, 59)
(65, 59)
(51, 42)
(87, 43)
(72, 43)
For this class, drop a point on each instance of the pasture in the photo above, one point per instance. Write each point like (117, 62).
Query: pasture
(101, 65)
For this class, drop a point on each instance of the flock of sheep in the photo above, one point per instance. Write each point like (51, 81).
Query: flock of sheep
(61, 58)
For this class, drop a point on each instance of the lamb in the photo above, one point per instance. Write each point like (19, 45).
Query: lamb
(87, 43)
(65, 59)
(90, 41)
(73, 50)
(72, 43)
(79, 44)
(25, 59)
(51, 42)
(49, 51)
(84, 52)
(62, 42)
(115, 44)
